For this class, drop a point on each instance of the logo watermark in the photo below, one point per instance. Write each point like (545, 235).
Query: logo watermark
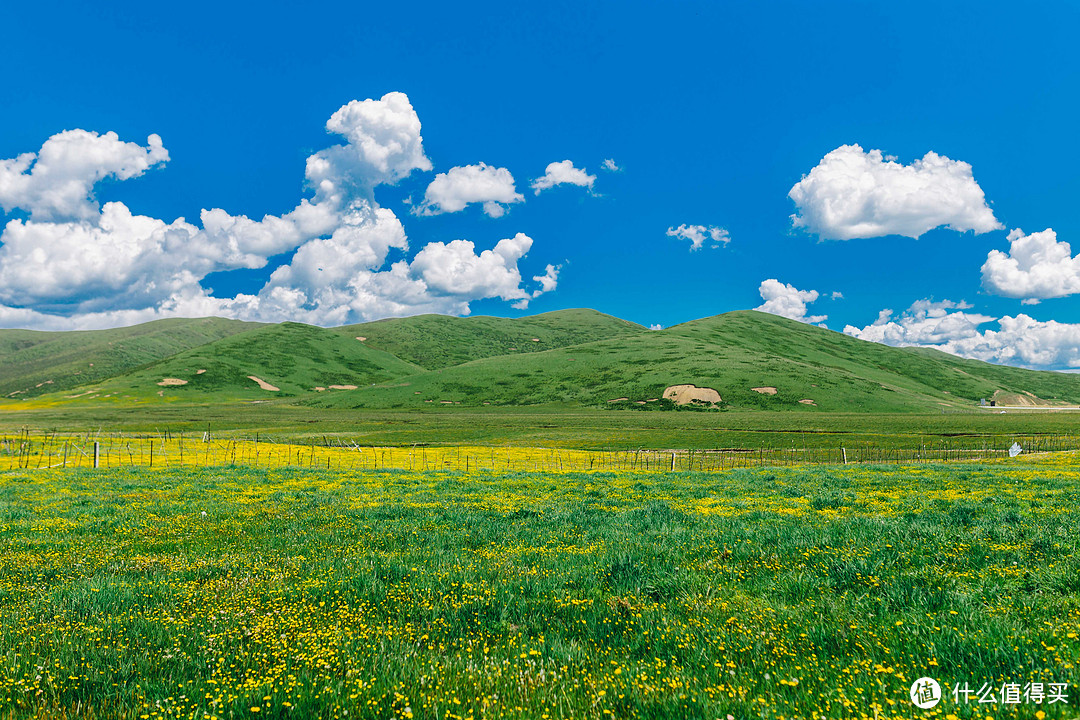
(926, 693)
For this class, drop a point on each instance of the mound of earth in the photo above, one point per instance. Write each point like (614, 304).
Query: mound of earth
(807, 401)
(170, 382)
(767, 390)
(686, 394)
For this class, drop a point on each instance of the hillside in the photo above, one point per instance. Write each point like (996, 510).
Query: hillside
(789, 362)
(439, 341)
(296, 359)
(752, 360)
(33, 363)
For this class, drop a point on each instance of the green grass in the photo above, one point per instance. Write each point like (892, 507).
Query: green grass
(581, 359)
(293, 357)
(546, 427)
(731, 353)
(525, 595)
(33, 363)
(438, 341)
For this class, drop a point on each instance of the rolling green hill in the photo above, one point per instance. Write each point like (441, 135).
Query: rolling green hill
(33, 363)
(439, 341)
(733, 354)
(754, 361)
(294, 358)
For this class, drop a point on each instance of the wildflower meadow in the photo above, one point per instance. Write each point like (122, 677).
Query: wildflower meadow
(795, 592)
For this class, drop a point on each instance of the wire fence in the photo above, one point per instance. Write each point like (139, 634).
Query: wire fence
(167, 450)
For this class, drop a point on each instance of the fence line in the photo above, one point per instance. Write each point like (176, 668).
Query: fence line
(88, 450)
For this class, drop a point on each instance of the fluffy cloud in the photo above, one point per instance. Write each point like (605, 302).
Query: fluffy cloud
(454, 268)
(925, 323)
(384, 146)
(452, 191)
(1037, 266)
(697, 234)
(337, 280)
(122, 260)
(855, 194)
(71, 264)
(57, 182)
(610, 165)
(563, 173)
(788, 301)
(1019, 340)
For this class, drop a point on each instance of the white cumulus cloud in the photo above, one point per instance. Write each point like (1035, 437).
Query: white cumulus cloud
(563, 173)
(57, 182)
(698, 234)
(856, 194)
(1020, 340)
(452, 191)
(1037, 266)
(610, 165)
(788, 301)
(384, 146)
(71, 264)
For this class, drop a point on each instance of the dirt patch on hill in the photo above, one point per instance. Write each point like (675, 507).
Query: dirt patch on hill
(263, 384)
(342, 387)
(200, 371)
(767, 390)
(361, 338)
(686, 394)
(172, 382)
(1024, 399)
(808, 401)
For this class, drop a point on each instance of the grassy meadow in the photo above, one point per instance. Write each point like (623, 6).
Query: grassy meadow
(202, 592)
(478, 518)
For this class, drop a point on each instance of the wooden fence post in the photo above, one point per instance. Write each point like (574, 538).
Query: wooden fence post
(97, 454)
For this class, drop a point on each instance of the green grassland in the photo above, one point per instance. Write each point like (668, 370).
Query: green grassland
(295, 358)
(554, 427)
(33, 363)
(507, 389)
(438, 341)
(771, 593)
(731, 353)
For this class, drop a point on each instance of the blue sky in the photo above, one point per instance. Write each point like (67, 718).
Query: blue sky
(712, 113)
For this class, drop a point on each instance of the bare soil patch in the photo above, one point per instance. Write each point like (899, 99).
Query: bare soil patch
(172, 382)
(767, 390)
(263, 384)
(1024, 399)
(686, 394)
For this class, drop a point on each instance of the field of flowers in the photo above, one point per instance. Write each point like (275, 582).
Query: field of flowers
(821, 591)
(114, 450)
